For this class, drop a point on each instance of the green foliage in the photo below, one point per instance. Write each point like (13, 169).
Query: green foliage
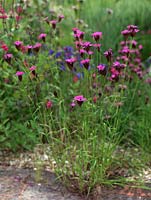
(36, 108)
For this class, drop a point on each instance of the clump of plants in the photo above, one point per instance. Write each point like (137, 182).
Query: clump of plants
(83, 101)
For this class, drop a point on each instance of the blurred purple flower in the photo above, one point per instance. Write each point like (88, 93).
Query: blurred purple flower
(42, 36)
(125, 33)
(49, 104)
(29, 48)
(73, 104)
(70, 62)
(75, 30)
(8, 57)
(32, 69)
(60, 18)
(108, 54)
(79, 35)
(53, 23)
(62, 68)
(134, 43)
(102, 69)
(82, 52)
(79, 99)
(68, 49)
(58, 54)
(97, 36)
(80, 75)
(114, 74)
(37, 47)
(125, 50)
(132, 29)
(19, 74)
(85, 63)
(90, 53)
(18, 44)
(51, 52)
(86, 46)
(97, 46)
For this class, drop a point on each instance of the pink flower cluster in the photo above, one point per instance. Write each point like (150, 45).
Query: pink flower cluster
(130, 31)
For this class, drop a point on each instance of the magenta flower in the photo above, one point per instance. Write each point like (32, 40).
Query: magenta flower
(78, 44)
(90, 53)
(125, 33)
(114, 74)
(19, 9)
(32, 69)
(122, 43)
(8, 57)
(108, 54)
(97, 36)
(29, 48)
(137, 60)
(148, 80)
(18, 44)
(85, 63)
(42, 36)
(70, 62)
(116, 64)
(4, 16)
(131, 65)
(132, 29)
(82, 52)
(102, 69)
(125, 50)
(60, 18)
(73, 104)
(53, 23)
(75, 30)
(4, 47)
(134, 43)
(137, 52)
(140, 74)
(140, 47)
(125, 58)
(79, 99)
(97, 46)
(49, 104)
(86, 46)
(37, 47)
(19, 74)
(79, 35)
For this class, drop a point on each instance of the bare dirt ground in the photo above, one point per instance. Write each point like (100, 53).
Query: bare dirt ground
(20, 182)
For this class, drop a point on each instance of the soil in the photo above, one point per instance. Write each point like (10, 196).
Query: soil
(21, 184)
(20, 181)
